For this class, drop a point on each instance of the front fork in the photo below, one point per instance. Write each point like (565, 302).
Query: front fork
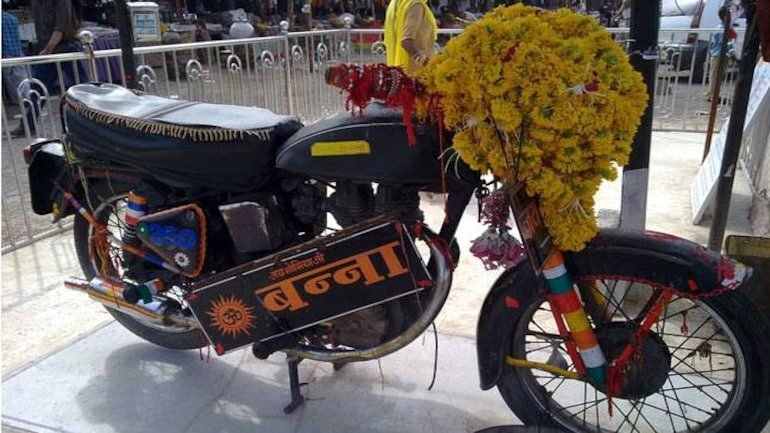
(583, 347)
(580, 339)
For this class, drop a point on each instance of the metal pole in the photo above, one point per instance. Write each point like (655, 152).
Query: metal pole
(735, 130)
(289, 61)
(645, 23)
(348, 47)
(290, 12)
(123, 17)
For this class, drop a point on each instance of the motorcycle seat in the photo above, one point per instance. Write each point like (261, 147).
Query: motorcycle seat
(182, 143)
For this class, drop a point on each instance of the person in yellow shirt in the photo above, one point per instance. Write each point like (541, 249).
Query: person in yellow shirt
(410, 32)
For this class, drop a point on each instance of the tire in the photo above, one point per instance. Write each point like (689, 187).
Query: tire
(106, 198)
(726, 336)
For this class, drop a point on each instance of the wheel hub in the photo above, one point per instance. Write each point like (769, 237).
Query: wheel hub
(647, 370)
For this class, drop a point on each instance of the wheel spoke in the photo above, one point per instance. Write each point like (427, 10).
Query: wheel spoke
(713, 383)
(594, 402)
(596, 410)
(642, 404)
(678, 312)
(611, 300)
(695, 386)
(678, 348)
(693, 337)
(691, 396)
(539, 327)
(625, 418)
(668, 410)
(683, 406)
(545, 335)
(546, 346)
(716, 370)
(563, 380)
(656, 294)
(682, 409)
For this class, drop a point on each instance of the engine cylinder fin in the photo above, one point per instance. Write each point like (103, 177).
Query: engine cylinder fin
(351, 203)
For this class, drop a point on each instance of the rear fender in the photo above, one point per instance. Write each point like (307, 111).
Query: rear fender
(47, 166)
(653, 258)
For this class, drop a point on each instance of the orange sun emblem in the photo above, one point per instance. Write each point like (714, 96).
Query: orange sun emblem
(231, 316)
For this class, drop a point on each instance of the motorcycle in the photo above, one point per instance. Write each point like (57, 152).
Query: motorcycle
(200, 224)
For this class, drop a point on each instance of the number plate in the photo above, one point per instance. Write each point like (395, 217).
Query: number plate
(534, 234)
(353, 269)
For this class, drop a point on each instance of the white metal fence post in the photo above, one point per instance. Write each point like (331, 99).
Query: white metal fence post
(287, 64)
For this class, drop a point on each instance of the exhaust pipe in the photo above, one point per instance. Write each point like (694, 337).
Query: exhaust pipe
(109, 292)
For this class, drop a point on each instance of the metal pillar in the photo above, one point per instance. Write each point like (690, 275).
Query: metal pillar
(645, 23)
(123, 16)
(735, 130)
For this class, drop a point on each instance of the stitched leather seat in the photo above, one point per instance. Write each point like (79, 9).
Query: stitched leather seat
(179, 142)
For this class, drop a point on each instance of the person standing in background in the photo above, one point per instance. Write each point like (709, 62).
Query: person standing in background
(56, 26)
(623, 17)
(11, 41)
(715, 48)
(14, 75)
(410, 33)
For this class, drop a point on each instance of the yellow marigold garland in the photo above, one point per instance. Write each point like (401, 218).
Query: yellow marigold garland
(547, 98)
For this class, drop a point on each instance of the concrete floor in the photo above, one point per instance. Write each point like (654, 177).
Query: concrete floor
(67, 367)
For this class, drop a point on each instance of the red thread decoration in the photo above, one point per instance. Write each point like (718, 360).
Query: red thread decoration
(593, 86)
(726, 269)
(377, 81)
(693, 286)
(511, 52)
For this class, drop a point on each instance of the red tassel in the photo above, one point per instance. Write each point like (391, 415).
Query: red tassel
(377, 81)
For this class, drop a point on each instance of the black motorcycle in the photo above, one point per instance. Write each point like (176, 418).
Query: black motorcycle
(198, 224)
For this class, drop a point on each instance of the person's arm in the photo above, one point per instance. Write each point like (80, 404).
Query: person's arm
(66, 23)
(412, 23)
(625, 4)
(56, 37)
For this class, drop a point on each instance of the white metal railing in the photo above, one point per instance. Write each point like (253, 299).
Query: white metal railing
(283, 73)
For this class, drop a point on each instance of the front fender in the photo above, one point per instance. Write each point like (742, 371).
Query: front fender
(514, 289)
(648, 257)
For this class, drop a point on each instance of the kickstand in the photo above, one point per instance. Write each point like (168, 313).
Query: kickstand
(296, 396)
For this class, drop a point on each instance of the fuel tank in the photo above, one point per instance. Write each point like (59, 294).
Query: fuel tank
(371, 147)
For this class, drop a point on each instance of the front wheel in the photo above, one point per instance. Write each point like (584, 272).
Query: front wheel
(702, 367)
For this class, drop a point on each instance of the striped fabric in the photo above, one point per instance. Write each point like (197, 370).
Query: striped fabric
(566, 301)
(11, 42)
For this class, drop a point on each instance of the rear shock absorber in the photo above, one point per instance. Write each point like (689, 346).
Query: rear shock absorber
(136, 207)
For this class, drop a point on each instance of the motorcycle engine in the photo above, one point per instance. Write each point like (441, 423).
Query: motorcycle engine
(349, 204)
(254, 225)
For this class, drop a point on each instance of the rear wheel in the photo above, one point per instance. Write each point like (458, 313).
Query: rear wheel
(109, 202)
(699, 369)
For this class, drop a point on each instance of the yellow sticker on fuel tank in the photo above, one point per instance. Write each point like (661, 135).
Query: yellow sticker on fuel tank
(340, 148)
